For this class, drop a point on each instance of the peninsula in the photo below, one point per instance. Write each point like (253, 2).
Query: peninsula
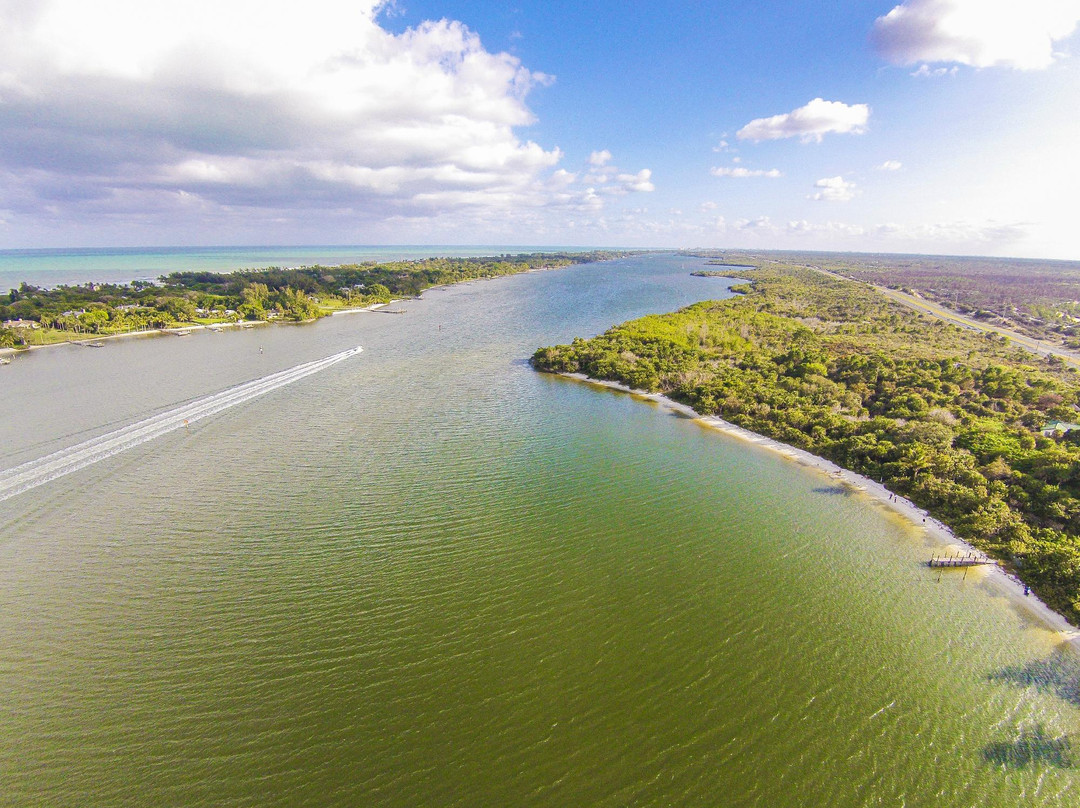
(975, 432)
(31, 315)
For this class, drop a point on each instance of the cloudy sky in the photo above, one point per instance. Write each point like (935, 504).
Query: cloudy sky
(944, 126)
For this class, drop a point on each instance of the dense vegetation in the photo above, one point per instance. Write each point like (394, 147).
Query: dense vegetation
(947, 417)
(1037, 298)
(211, 297)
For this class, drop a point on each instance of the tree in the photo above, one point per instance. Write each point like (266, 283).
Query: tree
(94, 319)
(179, 308)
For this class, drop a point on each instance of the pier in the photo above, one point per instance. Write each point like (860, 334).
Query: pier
(966, 560)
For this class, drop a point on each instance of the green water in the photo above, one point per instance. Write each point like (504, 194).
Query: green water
(430, 576)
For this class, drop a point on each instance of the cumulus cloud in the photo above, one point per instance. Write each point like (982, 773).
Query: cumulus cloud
(834, 189)
(891, 165)
(980, 33)
(809, 123)
(639, 182)
(613, 180)
(127, 108)
(739, 171)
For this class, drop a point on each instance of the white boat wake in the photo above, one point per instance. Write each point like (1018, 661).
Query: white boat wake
(29, 475)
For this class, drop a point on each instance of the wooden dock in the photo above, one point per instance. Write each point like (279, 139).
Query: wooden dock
(966, 560)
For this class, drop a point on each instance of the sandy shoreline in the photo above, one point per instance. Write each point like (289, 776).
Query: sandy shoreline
(181, 330)
(997, 580)
(178, 331)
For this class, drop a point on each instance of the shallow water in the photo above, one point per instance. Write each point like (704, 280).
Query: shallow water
(427, 575)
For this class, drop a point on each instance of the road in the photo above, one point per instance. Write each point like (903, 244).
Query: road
(1037, 347)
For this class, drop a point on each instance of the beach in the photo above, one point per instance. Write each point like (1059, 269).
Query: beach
(997, 580)
(180, 331)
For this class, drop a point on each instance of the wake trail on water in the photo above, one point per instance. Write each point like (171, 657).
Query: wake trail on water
(31, 474)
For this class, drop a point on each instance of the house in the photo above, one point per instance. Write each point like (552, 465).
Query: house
(1058, 426)
(21, 324)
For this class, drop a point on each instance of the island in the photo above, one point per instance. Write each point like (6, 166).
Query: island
(979, 434)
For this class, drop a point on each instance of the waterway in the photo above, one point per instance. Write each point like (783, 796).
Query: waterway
(427, 575)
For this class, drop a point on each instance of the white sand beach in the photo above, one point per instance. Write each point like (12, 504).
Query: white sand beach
(995, 578)
(177, 331)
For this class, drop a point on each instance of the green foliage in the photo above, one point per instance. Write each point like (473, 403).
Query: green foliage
(294, 294)
(295, 305)
(940, 414)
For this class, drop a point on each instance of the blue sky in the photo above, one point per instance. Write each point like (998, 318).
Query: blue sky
(941, 126)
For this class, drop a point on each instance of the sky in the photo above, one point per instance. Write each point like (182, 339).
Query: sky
(928, 126)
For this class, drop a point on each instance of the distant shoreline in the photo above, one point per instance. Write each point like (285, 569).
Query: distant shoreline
(997, 579)
(59, 315)
(179, 330)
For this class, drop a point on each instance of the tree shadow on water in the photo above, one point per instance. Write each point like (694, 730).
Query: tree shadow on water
(1059, 674)
(1031, 746)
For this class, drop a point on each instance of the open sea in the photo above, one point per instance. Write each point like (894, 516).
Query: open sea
(53, 267)
(259, 568)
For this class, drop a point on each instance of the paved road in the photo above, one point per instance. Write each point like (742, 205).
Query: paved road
(1037, 347)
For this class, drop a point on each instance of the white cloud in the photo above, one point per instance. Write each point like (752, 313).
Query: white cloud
(810, 122)
(600, 158)
(891, 165)
(840, 229)
(834, 189)
(980, 33)
(127, 109)
(613, 180)
(639, 182)
(760, 224)
(562, 178)
(926, 72)
(739, 171)
(722, 146)
(987, 232)
(707, 206)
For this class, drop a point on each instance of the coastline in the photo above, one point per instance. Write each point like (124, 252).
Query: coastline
(178, 331)
(994, 577)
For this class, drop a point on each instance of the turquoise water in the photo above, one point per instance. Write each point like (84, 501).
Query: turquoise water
(48, 268)
(427, 575)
